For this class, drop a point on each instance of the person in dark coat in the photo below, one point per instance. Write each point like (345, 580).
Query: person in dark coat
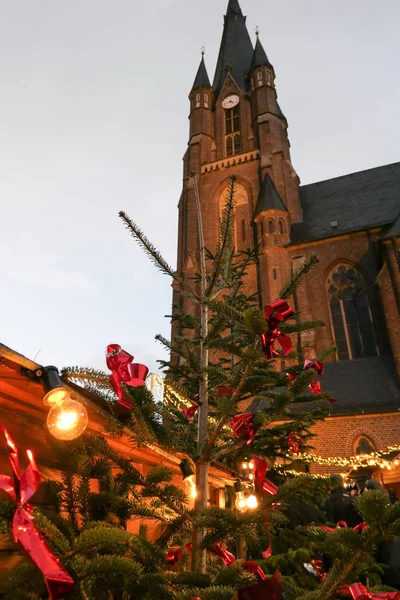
(338, 503)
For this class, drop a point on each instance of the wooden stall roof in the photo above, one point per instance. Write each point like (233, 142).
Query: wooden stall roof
(22, 411)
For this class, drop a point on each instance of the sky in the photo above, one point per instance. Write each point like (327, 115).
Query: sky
(93, 120)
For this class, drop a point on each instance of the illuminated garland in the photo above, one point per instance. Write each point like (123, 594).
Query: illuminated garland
(375, 459)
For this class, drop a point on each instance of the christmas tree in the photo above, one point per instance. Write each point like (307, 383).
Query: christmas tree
(225, 352)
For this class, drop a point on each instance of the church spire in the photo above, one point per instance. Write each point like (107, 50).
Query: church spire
(259, 56)
(201, 78)
(236, 49)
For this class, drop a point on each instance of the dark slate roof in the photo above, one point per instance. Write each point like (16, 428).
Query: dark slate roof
(259, 56)
(269, 199)
(364, 385)
(201, 78)
(357, 201)
(394, 230)
(280, 113)
(236, 49)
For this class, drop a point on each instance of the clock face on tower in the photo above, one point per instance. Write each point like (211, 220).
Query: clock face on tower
(230, 101)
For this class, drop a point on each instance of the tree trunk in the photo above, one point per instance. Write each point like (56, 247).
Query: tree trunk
(199, 554)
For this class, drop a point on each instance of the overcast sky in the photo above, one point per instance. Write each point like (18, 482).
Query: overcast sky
(93, 119)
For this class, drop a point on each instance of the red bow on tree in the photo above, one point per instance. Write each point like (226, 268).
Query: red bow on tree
(227, 557)
(267, 589)
(343, 525)
(254, 569)
(21, 488)
(275, 314)
(264, 486)
(295, 442)
(191, 411)
(124, 371)
(174, 556)
(243, 427)
(314, 386)
(359, 592)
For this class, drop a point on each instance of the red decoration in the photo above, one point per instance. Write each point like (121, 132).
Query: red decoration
(295, 442)
(254, 569)
(227, 557)
(174, 556)
(359, 592)
(21, 488)
(191, 411)
(260, 471)
(316, 365)
(268, 589)
(275, 314)
(124, 371)
(243, 427)
(342, 525)
(314, 386)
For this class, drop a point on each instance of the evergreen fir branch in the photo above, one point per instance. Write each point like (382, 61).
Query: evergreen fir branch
(230, 313)
(159, 474)
(149, 249)
(79, 374)
(297, 276)
(57, 541)
(304, 326)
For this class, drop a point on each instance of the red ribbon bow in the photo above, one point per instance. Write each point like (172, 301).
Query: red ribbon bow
(266, 589)
(359, 592)
(264, 486)
(253, 568)
(343, 525)
(21, 488)
(227, 557)
(314, 386)
(295, 442)
(243, 427)
(275, 314)
(124, 371)
(174, 556)
(191, 411)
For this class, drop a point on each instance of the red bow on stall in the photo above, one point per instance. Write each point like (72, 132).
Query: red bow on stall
(266, 589)
(21, 488)
(124, 371)
(275, 314)
(191, 411)
(359, 592)
(243, 427)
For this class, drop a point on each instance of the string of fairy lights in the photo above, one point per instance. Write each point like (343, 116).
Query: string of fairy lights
(388, 459)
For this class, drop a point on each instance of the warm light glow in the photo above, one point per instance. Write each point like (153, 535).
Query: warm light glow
(244, 465)
(30, 455)
(68, 420)
(252, 502)
(56, 397)
(251, 465)
(251, 476)
(193, 491)
(396, 462)
(240, 502)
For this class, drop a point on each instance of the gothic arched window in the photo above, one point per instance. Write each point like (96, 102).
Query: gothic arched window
(206, 100)
(259, 77)
(351, 317)
(363, 445)
(243, 231)
(271, 226)
(197, 100)
(232, 131)
(281, 226)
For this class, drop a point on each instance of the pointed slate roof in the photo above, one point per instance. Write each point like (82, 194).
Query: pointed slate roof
(259, 56)
(394, 230)
(201, 78)
(236, 49)
(269, 199)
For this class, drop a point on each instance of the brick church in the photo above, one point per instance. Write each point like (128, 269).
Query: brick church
(352, 223)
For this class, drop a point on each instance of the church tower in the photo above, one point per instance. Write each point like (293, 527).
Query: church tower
(237, 128)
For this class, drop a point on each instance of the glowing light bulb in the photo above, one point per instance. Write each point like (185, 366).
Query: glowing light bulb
(68, 420)
(244, 465)
(251, 465)
(252, 502)
(240, 502)
(251, 476)
(396, 462)
(56, 396)
(193, 491)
